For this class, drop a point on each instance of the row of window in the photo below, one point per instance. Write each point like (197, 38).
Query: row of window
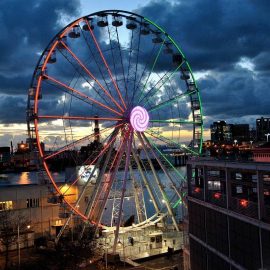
(32, 203)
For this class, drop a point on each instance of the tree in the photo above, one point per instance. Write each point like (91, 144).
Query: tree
(10, 224)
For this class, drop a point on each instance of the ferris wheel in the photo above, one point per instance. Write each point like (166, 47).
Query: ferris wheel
(113, 92)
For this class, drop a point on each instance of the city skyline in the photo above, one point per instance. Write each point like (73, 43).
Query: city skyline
(227, 51)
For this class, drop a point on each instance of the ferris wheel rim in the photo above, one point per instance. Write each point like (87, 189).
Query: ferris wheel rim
(52, 45)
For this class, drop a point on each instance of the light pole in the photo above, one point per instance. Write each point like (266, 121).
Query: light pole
(267, 136)
(19, 251)
(18, 240)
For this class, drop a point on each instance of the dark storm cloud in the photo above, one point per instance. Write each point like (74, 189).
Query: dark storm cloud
(235, 94)
(12, 109)
(214, 34)
(26, 28)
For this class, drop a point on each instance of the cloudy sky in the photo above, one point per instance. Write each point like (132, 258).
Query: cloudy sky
(226, 42)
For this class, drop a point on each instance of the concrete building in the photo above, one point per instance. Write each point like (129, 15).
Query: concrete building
(229, 215)
(41, 207)
(34, 204)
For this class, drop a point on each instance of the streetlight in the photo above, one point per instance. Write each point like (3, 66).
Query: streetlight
(267, 136)
(18, 240)
(19, 252)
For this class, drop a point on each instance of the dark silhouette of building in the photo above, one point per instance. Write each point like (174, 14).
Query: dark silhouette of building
(229, 215)
(262, 128)
(4, 157)
(240, 132)
(96, 130)
(221, 132)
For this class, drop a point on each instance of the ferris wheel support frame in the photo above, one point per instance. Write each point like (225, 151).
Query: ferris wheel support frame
(158, 182)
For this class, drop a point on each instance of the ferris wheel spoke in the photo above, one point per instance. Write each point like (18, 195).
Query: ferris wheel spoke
(64, 117)
(96, 195)
(145, 180)
(152, 68)
(93, 56)
(81, 94)
(106, 64)
(142, 75)
(166, 77)
(168, 162)
(97, 165)
(122, 64)
(129, 145)
(91, 75)
(101, 153)
(158, 181)
(129, 61)
(112, 176)
(164, 169)
(170, 141)
(171, 101)
(138, 197)
(74, 143)
(84, 76)
(136, 68)
(76, 205)
(176, 121)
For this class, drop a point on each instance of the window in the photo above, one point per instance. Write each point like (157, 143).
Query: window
(32, 203)
(5, 205)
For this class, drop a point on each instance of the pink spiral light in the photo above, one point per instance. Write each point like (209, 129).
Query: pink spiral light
(139, 118)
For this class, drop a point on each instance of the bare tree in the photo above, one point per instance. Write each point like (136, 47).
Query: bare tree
(10, 224)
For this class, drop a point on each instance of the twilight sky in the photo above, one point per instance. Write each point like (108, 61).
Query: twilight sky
(226, 42)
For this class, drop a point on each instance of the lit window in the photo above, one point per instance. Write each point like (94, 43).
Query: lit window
(5, 205)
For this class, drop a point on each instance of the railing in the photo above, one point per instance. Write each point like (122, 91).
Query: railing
(244, 207)
(217, 198)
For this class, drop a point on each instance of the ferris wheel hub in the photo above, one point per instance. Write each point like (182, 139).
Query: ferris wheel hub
(139, 118)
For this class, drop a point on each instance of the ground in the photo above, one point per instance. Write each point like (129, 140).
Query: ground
(164, 262)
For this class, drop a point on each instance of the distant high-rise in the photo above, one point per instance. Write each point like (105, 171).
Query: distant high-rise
(240, 132)
(221, 132)
(96, 130)
(262, 128)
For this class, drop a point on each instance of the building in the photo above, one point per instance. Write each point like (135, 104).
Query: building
(41, 206)
(5, 156)
(240, 132)
(261, 153)
(262, 128)
(221, 132)
(229, 215)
